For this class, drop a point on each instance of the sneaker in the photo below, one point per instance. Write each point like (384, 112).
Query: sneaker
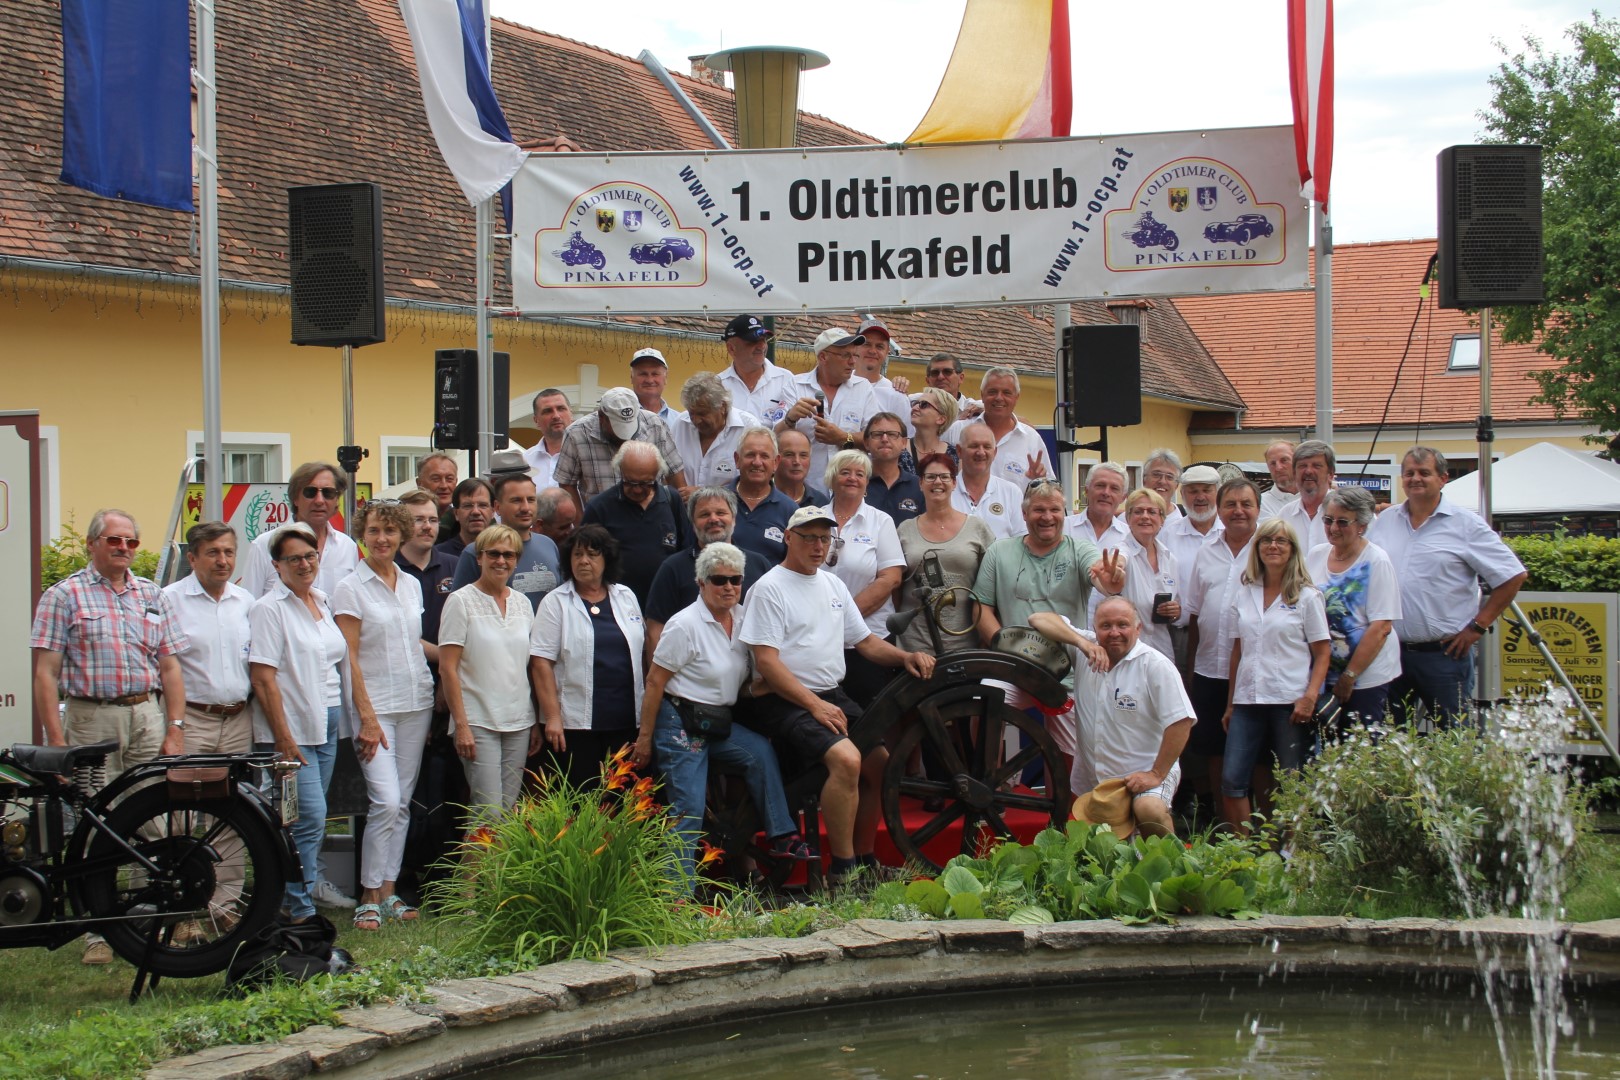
(97, 953)
(329, 895)
(791, 847)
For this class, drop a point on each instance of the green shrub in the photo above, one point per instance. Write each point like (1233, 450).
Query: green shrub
(1451, 823)
(1564, 563)
(1086, 872)
(573, 872)
(67, 554)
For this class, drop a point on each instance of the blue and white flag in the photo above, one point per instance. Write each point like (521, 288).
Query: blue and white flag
(126, 100)
(467, 122)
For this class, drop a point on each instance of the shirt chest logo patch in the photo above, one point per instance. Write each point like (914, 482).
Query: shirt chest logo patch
(1124, 701)
(773, 533)
(997, 509)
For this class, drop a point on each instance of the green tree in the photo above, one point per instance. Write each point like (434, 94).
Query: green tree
(1568, 104)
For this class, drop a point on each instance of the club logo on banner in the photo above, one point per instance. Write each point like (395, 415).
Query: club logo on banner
(961, 224)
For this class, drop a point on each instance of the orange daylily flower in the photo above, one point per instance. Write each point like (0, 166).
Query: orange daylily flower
(643, 788)
(482, 835)
(711, 854)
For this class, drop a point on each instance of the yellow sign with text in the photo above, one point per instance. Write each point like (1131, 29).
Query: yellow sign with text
(1579, 631)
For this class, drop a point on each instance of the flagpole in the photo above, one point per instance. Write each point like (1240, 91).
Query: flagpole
(486, 296)
(1324, 323)
(208, 250)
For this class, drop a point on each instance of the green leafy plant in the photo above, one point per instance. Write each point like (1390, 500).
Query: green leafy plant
(1448, 823)
(1564, 563)
(573, 872)
(67, 554)
(1086, 872)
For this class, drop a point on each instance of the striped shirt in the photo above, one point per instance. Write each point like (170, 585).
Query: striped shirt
(110, 641)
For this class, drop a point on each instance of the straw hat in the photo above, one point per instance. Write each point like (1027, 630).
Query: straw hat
(1109, 803)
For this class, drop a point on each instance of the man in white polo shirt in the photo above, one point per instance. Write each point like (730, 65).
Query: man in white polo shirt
(1132, 709)
(1099, 520)
(1020, 451)
(1441, 551)
(1314, 467)
(980, 492)
(834, 403)
(757, 386)
(800, 620)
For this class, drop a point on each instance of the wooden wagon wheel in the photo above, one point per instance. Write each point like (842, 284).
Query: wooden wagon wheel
(964, 727)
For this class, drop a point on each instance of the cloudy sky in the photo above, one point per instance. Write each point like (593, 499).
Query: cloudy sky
(1412, 74)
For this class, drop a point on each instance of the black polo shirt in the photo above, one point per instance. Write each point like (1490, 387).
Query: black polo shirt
(646, 535)
(435, 579)
(675, 585)
(902, 502)
(762, 529)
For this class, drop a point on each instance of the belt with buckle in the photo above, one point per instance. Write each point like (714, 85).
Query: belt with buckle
(126, 701)
(1424, 646)
(230, 708)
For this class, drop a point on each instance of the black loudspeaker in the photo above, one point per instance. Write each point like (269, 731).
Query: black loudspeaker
(335, 256)
(455, 398)
(1490, 226)
(1105, 374)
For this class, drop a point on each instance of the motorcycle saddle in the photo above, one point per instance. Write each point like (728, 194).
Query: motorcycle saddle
(60, 760)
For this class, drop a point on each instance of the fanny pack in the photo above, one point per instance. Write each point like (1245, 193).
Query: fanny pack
(712, 722)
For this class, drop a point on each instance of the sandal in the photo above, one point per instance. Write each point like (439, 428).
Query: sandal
(396, 908)
(368, 917)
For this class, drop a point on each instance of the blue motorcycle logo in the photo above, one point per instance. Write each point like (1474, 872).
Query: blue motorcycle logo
(581, 252)
(1149, 232)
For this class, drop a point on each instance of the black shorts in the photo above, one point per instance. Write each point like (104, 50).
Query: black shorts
(1209, 705)
(776, 717)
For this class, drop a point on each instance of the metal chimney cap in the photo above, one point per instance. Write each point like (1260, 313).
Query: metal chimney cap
(809, 59)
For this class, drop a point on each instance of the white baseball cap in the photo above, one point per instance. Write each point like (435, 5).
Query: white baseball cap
(622, 410)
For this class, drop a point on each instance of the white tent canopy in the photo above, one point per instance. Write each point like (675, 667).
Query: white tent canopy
(1545, 479)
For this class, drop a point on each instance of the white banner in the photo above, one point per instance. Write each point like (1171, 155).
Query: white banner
(856, 228)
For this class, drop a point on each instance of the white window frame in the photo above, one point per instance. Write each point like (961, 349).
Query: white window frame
(1463, 367)
(278, 443)
(391, 444)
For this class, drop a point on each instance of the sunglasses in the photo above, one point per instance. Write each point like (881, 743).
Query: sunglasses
(719, 580)
(128, 543)
(639, 485)
(1338, 523)
(327, 493)
(496, 553)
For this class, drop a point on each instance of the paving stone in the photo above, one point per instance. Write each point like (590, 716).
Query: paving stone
(553, 991)
(594, 980)
(1092, 933)
(809, 950)
(705, 960)
(982, 935)
(261, 1061)
(877, 938)
(397, 1023)
(1601, 936)
(469, 1002)
(336, 1048)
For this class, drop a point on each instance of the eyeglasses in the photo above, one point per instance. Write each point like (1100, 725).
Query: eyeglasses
(937, 478)
(922, 405)
(883, 435)
(1276, 541)
(831, 540)
(127, 543)
(1337, 523)
(327, 493)
(369, 502)
(497, 553)
(640, 485)
(301, 560)
(720, 580)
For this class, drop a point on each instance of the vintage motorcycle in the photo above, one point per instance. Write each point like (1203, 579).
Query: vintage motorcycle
(581, 252)
(1151, 232)
(175, 863)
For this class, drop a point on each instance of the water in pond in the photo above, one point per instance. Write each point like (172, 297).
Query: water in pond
(1236, 1027)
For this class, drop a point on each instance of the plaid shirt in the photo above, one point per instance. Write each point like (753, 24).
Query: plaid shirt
(110, 641)
(586, 458)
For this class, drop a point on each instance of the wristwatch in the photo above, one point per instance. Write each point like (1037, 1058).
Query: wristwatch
(1473, 624)
(849, 443)
(181, 723)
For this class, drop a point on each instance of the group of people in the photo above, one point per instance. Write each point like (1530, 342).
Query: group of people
(717, 584)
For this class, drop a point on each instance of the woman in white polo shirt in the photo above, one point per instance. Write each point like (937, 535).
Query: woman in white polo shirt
(1279, 661)
(296, 667)
(701, 665)
(868, 559)
(484, 665)
(379, 610)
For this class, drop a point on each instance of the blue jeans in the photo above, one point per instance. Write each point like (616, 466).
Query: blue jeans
(1254, 730)
(684, 761)
(1444, 685)
(310, 828)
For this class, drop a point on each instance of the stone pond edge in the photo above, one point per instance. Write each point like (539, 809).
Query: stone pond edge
(482, 1022)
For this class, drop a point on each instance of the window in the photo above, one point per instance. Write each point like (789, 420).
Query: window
(250, 457)
(1464, 353)
(402, 463)
(402, 454)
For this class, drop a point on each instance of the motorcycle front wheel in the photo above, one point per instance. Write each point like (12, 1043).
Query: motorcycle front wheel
(215, 880)
(1171, 241)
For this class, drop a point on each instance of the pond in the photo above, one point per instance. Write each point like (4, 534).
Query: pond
(1197, 1027)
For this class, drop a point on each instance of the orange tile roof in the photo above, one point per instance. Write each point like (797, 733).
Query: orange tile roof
(327, 93)
(1266, 343)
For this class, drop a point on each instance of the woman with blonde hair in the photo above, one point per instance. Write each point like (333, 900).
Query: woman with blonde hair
(932, 411)
(1151, 570)
(1279, 661)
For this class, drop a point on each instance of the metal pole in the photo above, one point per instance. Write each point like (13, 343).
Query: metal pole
(486, 339)
(1062, 430)
(1324, 323)
(208, 252)
(1488, 679)
(348, 436)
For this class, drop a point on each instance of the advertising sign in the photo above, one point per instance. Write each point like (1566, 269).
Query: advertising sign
(19, 571)
(963, 224)
(1579, 629)
(252, 509)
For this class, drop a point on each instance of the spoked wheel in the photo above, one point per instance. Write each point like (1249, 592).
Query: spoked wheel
(202, 878)
(732, 824)
(965, 735)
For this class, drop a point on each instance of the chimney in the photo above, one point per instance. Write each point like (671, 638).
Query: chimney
(702, 72)
(1129, 311)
